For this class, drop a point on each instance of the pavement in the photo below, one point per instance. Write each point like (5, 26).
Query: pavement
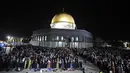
(28, 71)
(89, 67)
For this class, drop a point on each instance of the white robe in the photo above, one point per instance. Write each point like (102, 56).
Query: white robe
(25, 64)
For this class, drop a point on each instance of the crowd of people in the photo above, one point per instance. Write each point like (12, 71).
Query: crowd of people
(109, 60)
(32, 57)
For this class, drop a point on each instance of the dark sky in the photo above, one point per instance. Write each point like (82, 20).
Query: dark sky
(108, 19)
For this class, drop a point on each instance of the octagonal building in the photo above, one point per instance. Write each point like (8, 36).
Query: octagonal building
(62, 34)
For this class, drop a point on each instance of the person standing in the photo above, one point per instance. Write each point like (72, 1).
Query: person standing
(80, 65)
(25, 63)
(83, 70)
(62, 64)
(65, 63)
(68, 64)
(41, 64)
(57, 64)
(71, 64)
(29, 63)
(52, 63)
(49, 64)
(44, 65)
(76, 63)
(113, 67)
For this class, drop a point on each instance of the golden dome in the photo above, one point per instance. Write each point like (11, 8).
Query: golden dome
(63, 17)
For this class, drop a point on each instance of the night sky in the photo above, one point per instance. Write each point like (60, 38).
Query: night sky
(107, 19)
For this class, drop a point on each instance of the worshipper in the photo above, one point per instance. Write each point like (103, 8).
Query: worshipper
(52, 63)
(44, 64)
(71, 65)
(80, 65)
(34, 64)
(57, 64)
(29, 63)
(41, 64)
(83, 70)
(25, 63)
(62, 64)
(49, 64)
(68, 63)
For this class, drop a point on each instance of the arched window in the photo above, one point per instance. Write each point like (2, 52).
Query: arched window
(42, 38)
(57, 38)
(72, 39)
(77, 39)
(45, 38)
(38, 38)
(62, 38)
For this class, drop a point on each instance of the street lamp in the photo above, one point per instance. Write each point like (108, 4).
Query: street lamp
(8, 37)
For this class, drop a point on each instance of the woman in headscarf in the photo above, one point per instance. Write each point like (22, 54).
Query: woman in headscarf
(49, 64)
